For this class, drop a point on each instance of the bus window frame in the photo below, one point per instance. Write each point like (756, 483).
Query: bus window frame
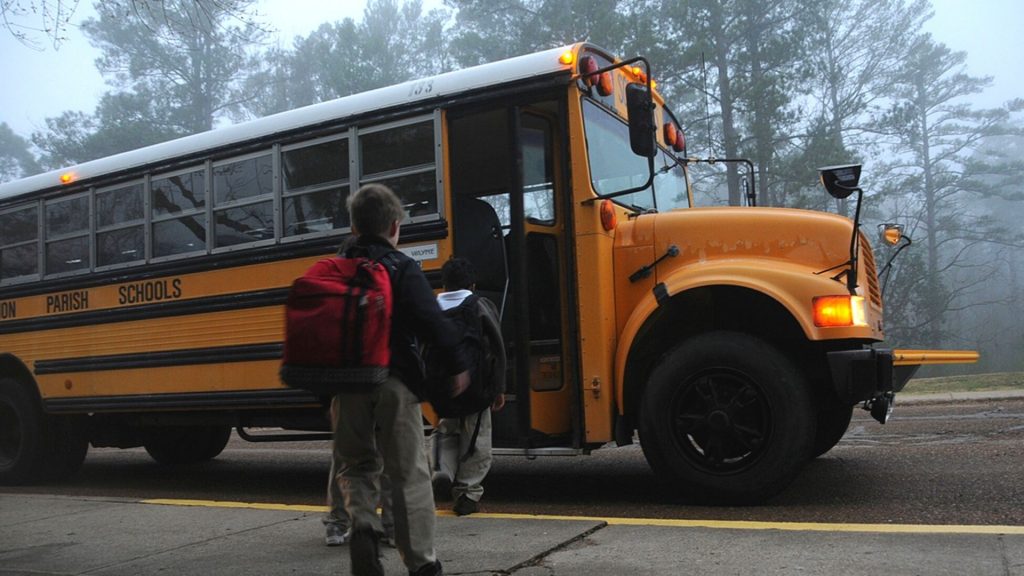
(361, 178)
(348, 134)
(274, 195)
(97, 229)
(40, 230)
(152, 220)
(89, 233)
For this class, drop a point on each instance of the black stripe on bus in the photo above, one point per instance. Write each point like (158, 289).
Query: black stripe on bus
(218, 355)
(247, 399)
(149, 311)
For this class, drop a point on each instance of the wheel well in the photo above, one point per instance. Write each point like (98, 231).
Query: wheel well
(16, 369)
(707, 309)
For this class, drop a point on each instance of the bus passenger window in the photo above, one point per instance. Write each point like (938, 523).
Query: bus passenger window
(179, 194)
(19, 248)
(179, 236)
(315, 186)
(67, 235)
(119, 234)
(242, 200)
(179, 213)
(403, 158)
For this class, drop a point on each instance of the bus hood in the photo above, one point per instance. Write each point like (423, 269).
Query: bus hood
(816, 239)
(803, 252)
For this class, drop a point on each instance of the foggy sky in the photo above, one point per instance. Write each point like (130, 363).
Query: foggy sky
(45, 83)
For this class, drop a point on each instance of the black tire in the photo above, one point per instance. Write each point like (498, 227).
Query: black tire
(36, 447)
(69, 443)
(833, 420)
(175, 445)
(728, 418)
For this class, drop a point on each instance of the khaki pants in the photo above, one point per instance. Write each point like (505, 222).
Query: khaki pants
(393, 409)
(450, 443)
(336, 501)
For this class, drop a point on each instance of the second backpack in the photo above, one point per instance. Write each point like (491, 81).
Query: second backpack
(477, 346)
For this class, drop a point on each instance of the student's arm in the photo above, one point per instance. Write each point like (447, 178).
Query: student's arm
(419, 308)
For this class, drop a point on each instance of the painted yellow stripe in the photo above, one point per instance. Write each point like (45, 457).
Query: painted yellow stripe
(224, 504)
(717, 524)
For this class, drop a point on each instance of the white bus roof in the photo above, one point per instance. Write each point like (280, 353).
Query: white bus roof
(443, 85)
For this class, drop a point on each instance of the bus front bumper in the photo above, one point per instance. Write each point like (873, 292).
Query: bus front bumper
(874, 375)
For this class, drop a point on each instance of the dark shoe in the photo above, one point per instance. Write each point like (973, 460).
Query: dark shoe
(364, 550)
(429, 570)
(465, 505)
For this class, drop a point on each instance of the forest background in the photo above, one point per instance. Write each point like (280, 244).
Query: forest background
(792, 85)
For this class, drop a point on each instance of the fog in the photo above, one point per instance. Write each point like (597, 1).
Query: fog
(43, 81)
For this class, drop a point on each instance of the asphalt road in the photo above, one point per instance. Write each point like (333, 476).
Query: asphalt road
(957, 463)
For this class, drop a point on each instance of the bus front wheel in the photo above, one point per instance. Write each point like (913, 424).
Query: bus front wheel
(833, 420)
(173, 445)
(35, 446)
(727, 417)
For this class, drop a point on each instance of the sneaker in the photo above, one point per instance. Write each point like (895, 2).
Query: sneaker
(428, 570)
(465, 505)
(337, 535)
(364, 551)
(442, 483)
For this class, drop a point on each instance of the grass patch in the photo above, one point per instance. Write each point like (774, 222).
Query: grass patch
(967, 383)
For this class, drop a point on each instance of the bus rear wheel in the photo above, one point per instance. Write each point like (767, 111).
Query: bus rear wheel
(174, 445)
(727, 417)
(35, 446)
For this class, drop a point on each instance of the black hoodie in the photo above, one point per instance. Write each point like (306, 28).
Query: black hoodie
(415, 315)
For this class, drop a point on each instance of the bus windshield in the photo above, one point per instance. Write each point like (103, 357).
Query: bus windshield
(614, 166)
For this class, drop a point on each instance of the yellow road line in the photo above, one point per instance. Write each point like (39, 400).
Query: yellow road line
(716, 524)
(223, 504)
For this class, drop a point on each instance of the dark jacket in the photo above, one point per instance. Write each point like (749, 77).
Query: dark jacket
(415, 314)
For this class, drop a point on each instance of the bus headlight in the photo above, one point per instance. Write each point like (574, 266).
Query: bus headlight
(837, 311)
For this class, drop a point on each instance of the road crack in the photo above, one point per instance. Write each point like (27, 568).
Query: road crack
(538, 559)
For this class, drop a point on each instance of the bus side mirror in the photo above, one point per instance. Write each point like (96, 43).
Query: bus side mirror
(840, 181)
(640, 108)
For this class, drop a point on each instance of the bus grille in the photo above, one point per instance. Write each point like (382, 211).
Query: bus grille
(870, 273)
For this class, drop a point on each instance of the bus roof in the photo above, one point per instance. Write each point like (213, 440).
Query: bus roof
(441, 86)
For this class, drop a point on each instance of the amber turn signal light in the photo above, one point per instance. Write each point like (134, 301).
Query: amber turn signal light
(839, 311)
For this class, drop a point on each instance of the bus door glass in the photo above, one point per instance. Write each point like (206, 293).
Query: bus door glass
(523, 277)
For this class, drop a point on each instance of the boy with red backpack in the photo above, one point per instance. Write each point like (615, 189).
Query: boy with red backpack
(379, 419)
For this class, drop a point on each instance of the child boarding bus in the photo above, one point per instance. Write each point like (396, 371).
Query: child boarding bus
(141, 295)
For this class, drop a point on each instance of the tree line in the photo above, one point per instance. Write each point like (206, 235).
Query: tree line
(792, 85)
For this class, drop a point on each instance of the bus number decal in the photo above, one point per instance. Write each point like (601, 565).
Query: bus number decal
(151, 291)
(8, 310)
(67, 302)
(421, 88)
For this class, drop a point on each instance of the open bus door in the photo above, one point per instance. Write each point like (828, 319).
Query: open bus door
(507, 190)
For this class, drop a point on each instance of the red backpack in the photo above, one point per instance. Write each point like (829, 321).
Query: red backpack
(338, 326)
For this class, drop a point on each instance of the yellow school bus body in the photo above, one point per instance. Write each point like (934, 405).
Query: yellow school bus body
(144, 349)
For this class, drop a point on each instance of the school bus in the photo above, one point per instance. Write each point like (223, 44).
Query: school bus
(141, 295)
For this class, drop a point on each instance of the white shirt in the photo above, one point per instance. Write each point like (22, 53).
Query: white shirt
(449, 300)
